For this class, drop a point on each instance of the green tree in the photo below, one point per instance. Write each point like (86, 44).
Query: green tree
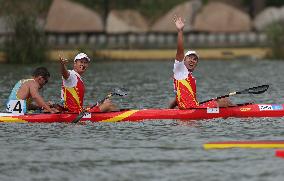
(27, 42)
(274, 3)
(275, 34)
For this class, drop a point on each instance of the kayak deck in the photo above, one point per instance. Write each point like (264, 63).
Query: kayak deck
(245, 144)
(251, 110)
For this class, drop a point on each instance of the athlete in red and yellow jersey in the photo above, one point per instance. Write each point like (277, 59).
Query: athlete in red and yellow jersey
(73, 88)
(184, 82)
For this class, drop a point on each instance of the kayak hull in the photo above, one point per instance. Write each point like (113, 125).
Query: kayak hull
(244, 111)
(279, 153)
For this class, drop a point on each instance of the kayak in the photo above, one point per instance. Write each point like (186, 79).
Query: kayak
(241, 111)
(245, 144)
(279, 153)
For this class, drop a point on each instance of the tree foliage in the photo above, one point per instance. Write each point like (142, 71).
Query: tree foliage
(274, 3)
(26, 44)
(275, 34)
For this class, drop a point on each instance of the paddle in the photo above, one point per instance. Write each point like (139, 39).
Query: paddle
(116, 91)
(253, 90)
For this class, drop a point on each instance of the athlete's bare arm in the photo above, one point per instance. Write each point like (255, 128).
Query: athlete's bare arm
(34, 87)
(179, 22)
(64, 72)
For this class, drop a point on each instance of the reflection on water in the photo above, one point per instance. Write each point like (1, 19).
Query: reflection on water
(149, 150)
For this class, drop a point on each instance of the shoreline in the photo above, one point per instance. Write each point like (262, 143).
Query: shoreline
(161, 54)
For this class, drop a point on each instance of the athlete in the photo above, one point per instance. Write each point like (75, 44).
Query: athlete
(184, 82)
(73, 88)
(28, 91)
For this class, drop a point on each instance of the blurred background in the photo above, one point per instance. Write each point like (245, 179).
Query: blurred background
(35, 30)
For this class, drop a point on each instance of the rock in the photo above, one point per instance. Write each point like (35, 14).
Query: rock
(185, 10)
(267, 17)
(220, 17)
(122, 21)
(66, 16)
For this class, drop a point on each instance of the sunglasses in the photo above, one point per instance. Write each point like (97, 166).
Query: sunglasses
(45, 80)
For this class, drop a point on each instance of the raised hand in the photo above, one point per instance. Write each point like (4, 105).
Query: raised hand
(179, 22)
(64, 72)
(63, 61)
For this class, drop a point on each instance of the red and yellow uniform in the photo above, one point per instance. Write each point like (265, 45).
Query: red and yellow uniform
(186, 92)
(72, 92)
(185, 87)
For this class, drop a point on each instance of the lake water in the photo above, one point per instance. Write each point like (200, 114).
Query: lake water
(149, 150)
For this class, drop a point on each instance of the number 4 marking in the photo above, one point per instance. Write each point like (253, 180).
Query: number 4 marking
(18, 107)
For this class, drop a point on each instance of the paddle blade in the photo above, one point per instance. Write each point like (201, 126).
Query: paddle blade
(120, 91)
(116, 92)
(254, 90)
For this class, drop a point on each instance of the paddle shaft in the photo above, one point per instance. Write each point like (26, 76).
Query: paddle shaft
(253, 90)
(219, 97)
(116, 91)
(81, 115)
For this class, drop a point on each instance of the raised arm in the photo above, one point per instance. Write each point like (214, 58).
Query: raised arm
(64, 72)
(179, 22)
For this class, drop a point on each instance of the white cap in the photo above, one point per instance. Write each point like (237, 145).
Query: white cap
(191, 52)
(81, 56)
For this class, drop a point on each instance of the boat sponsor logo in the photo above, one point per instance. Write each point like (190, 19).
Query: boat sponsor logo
(244, 109)
(277, 107)
(265, 107)
(213, 110)
(87, 115)
(270, 107)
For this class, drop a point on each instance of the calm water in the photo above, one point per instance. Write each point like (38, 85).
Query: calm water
(149, 150)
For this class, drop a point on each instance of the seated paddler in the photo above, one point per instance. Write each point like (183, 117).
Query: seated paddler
(25, 95)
